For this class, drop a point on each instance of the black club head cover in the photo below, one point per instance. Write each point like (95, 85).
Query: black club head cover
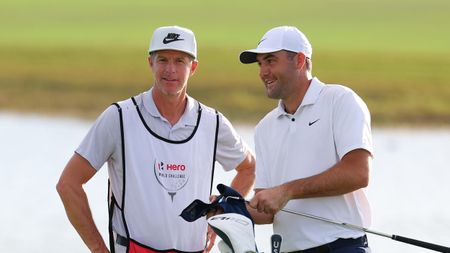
(229, 200)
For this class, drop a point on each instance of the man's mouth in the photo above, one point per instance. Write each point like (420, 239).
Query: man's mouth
(169, 79)
(269, 82)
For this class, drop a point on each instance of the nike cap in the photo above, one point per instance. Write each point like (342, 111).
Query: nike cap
(174, 38)
(279, 38)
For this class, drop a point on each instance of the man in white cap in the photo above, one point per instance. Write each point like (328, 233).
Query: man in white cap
(314, 150)
(161, 147)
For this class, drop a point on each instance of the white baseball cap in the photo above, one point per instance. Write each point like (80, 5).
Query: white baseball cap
(174, 38)
(279, 38)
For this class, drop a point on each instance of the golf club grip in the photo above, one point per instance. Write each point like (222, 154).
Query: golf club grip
(422, 244)
(275, 241)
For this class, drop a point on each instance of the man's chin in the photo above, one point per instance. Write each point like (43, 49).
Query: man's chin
(173, 92)
(272, 95)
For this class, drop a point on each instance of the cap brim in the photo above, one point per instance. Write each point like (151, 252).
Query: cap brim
(249, 56)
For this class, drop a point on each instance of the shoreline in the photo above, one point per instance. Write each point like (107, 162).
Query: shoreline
(236, 123)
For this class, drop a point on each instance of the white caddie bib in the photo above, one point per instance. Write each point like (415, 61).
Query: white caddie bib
(162, 177)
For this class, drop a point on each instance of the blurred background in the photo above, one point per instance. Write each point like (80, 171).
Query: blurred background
(63, 62)
(76, 57)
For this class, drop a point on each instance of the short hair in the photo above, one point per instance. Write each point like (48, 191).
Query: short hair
(308, 62)
(153, 54)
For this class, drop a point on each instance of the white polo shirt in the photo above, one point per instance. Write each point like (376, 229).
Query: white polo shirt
(331, 121)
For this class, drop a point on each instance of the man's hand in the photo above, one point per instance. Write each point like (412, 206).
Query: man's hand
(271, 200)
(215, 211)
(211, 239)
(211, 235)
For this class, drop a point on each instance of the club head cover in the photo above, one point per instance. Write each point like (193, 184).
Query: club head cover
(196, 210)
(232, 201)
(223, 247)
(229, 200)
(236, 231)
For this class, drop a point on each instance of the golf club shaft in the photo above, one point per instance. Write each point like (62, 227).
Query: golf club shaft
(411, 241)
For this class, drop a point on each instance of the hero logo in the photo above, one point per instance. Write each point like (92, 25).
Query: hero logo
(172, 176)
(181, 167)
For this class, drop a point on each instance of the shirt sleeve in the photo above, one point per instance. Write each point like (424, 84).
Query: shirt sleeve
(351, 123)
(231, 149)
(102, 140)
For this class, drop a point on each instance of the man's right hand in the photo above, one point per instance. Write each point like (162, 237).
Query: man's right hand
(271, 200)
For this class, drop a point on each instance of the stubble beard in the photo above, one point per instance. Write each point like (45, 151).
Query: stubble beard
(274, 92)
(171, 91)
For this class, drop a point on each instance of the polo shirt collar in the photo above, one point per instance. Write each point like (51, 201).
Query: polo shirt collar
(311, 96)
(189, 116)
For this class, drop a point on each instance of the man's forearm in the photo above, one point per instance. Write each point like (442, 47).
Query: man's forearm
(245, 177)
(243, 182)
(78, 211)
(348, 175)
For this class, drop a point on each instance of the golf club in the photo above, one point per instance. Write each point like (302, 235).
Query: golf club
(399, 238)
(275, 243)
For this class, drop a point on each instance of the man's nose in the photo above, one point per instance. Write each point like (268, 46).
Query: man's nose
(171, 67)
(263, 71)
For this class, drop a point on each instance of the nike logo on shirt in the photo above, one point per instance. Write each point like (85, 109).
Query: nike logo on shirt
(311, 123)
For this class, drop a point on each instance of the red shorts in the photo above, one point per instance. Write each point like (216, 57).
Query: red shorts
(135, 247)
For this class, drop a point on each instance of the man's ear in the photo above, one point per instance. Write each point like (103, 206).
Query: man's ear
(301, 60)
(150, 61)
(194, 66)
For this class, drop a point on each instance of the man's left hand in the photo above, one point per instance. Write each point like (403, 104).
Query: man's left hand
(211, 239)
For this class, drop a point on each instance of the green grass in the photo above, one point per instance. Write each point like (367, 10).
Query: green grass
(79, 56)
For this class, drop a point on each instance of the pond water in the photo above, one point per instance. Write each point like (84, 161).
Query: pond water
(409, 189)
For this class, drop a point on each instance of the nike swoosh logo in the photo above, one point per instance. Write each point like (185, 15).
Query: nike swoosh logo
(167, 41)
(311, 123)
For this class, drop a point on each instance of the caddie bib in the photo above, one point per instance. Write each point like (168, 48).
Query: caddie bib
(160, 178)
